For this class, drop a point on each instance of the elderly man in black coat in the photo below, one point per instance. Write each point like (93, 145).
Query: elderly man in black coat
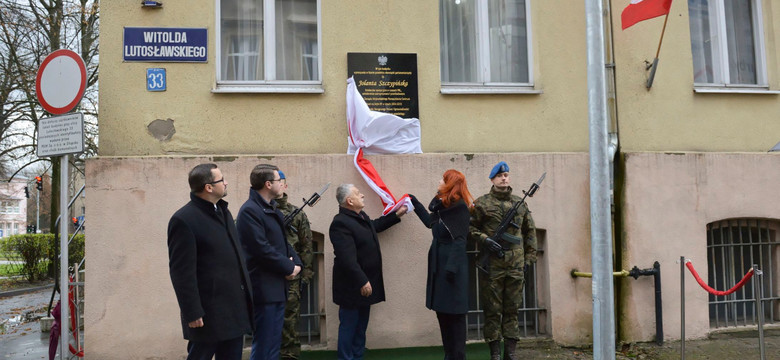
(270, 259)
(207, 270)
(357, 268)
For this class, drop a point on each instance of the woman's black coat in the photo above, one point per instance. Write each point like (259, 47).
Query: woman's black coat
(358, 257)
(448, 275)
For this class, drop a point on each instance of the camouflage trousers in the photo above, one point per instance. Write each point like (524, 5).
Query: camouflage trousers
(501, 294)
(291, 344)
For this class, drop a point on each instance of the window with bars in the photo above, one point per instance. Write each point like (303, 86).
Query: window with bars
(532, 314)
(733, 246)
(310, 324)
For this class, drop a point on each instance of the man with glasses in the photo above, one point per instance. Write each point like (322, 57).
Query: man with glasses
(207, 270)
(270, 259)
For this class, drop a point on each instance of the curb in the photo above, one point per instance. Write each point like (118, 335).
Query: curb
(16, 292)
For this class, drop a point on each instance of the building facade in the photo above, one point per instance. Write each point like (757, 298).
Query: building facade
(503, 80)
(13, 206)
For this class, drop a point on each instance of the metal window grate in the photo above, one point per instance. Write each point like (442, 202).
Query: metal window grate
(531, 311)
(733, 246)
(309, 323)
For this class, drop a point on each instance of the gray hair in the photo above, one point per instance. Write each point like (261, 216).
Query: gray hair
(342, 192)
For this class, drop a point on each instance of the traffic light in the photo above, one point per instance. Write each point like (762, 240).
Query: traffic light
(34, 229)
(27, 192)
(29, 229)
(75, 223)
(39, 183)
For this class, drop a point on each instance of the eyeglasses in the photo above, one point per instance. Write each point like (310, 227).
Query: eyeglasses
(280, 179)
(217, 182)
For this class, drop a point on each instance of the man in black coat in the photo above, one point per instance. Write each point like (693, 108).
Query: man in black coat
(270, 259)
(208, 271)
(357, 268)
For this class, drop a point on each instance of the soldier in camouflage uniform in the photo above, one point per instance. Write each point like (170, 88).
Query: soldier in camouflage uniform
(300, 238)
(501, 289)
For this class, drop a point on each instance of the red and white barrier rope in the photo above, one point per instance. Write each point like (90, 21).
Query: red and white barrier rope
(712, 291)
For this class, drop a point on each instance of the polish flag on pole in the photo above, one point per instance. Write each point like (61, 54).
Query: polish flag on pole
(639, 10)
(378, 133)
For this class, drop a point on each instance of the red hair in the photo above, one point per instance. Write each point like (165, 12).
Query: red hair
(454, 188)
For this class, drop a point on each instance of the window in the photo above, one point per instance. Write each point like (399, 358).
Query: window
(16, 229)
(268, 46)
(485, 43)
(733, 246)
(9, 207)
(532, 314)
(727, 43)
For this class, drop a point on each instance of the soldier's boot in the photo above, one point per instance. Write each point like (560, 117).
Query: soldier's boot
(495, 350)
(509, 349)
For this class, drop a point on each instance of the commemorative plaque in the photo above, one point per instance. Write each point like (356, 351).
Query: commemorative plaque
(387, 82)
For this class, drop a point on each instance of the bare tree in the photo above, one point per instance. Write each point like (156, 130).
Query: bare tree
(30, 30)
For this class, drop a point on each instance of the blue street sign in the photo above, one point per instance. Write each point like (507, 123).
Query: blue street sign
(155, 79)
(165, 44)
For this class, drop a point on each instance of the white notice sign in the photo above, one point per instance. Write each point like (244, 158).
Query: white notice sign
(61, 135)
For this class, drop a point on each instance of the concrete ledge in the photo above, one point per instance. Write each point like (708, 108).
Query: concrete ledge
(15, 292)
(46, 322)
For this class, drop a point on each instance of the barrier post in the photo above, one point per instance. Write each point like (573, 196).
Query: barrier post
(757, 290)
(682, 307)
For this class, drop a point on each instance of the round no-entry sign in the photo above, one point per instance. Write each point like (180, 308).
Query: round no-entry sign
(61, 81)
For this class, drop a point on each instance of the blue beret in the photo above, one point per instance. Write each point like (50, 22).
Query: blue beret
(499, 168)
(281, 175)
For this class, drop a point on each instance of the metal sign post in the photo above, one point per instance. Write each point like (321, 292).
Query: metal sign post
(60, 85)
(64, 281)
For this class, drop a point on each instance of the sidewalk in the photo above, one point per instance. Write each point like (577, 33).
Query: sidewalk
(21, 339)
(20, 333)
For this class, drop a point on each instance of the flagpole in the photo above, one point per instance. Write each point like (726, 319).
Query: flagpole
(655, 61)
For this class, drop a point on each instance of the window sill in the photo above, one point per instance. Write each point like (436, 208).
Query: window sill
(733, 90)
(488, 90)
(268, 89)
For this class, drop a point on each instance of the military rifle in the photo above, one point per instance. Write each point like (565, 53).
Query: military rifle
(501, 232)
(312, 200)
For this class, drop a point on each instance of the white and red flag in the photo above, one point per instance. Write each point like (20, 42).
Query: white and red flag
(373, 132)
(640, 10)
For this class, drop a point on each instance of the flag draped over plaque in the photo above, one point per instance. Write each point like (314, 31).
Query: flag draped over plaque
(373, 132)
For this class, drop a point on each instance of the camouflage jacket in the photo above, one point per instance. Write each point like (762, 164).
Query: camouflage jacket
(301, 239)
(488, 211)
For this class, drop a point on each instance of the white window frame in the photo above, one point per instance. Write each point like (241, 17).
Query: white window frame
(270, 84)
(483, 60)
(721, 62)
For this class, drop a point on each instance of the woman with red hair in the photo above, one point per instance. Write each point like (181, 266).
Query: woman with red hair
(448, 276)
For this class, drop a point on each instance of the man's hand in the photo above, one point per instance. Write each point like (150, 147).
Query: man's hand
(401, 211)
(366, 289)
(196, 324)
(494, 247)
(295, 272)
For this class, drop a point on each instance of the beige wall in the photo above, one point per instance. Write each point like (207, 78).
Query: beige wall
(131, 200)
(208, 123)
(672, 198)
(670, 116)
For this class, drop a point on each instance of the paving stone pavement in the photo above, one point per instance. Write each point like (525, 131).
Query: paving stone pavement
(21, 339)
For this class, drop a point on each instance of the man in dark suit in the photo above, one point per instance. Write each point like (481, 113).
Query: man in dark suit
(270, 259)
(208, 271)
(357, 268)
